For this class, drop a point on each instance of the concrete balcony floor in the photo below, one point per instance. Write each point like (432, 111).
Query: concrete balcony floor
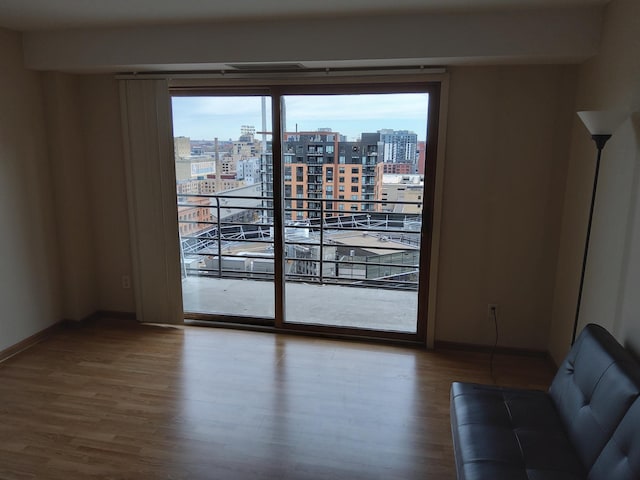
(307, 303)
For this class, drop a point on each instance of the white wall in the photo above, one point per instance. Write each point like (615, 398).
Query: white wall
(29, 276)
(507, 144)
(611, 80)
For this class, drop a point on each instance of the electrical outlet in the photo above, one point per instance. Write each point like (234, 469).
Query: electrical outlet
(492, 311)
(126, 281)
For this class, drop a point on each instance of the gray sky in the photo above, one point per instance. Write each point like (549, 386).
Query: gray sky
(208, 117)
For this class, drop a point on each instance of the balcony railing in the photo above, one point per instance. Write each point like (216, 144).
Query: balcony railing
(232, 237)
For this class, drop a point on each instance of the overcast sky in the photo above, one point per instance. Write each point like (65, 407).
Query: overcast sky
(204, 118)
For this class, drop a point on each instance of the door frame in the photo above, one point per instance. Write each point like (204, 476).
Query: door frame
(437, 87)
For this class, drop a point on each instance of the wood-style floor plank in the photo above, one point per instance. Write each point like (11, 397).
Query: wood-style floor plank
(117, 400)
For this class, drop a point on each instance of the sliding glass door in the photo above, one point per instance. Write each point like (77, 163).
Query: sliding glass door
(354, 190)
(225, 206)
(322, 224)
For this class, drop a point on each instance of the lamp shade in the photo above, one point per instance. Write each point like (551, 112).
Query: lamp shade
(602, 122)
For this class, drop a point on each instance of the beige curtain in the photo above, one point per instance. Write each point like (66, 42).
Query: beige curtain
(151, 190)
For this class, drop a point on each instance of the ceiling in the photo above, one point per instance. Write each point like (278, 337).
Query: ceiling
(34, 15)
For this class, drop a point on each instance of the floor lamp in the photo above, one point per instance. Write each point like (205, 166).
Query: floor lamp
(601, 125)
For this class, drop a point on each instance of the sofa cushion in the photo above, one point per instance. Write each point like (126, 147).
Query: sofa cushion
(620, 458)
(511, 434)
(593, 391)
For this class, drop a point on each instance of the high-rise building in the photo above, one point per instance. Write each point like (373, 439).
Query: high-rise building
(422, 156)
(324, 175)
(182, 146)
(399, 146)
(248, 170)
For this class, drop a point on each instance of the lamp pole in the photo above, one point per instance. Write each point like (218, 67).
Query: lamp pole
(600, 140)
(601, 125)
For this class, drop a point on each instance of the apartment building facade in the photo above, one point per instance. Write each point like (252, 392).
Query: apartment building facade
(324, 174)
(399, 146)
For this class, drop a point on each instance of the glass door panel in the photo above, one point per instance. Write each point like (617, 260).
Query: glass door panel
(353, 168)
(224, 192)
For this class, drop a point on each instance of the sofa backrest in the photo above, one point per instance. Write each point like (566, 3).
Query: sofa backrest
(596, 392)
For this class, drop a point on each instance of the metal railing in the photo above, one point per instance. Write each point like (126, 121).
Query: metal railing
(232, 237)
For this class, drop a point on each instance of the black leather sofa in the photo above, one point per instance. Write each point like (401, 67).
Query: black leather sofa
(587, 426)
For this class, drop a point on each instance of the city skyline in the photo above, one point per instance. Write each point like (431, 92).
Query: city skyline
(205, 118)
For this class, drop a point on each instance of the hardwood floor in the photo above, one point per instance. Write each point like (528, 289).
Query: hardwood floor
(117, 400)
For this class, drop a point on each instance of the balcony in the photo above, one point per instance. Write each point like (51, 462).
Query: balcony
(356, 269)
(306, 303)
(315, 151)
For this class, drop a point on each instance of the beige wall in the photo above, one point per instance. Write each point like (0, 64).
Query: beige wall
(504, 185)
(100, 111)
(570, 35)
(611, 80)
(504, 208)
(85, 146)
(29, 276)
(505, 174)
(73, 208)
(503, 193)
